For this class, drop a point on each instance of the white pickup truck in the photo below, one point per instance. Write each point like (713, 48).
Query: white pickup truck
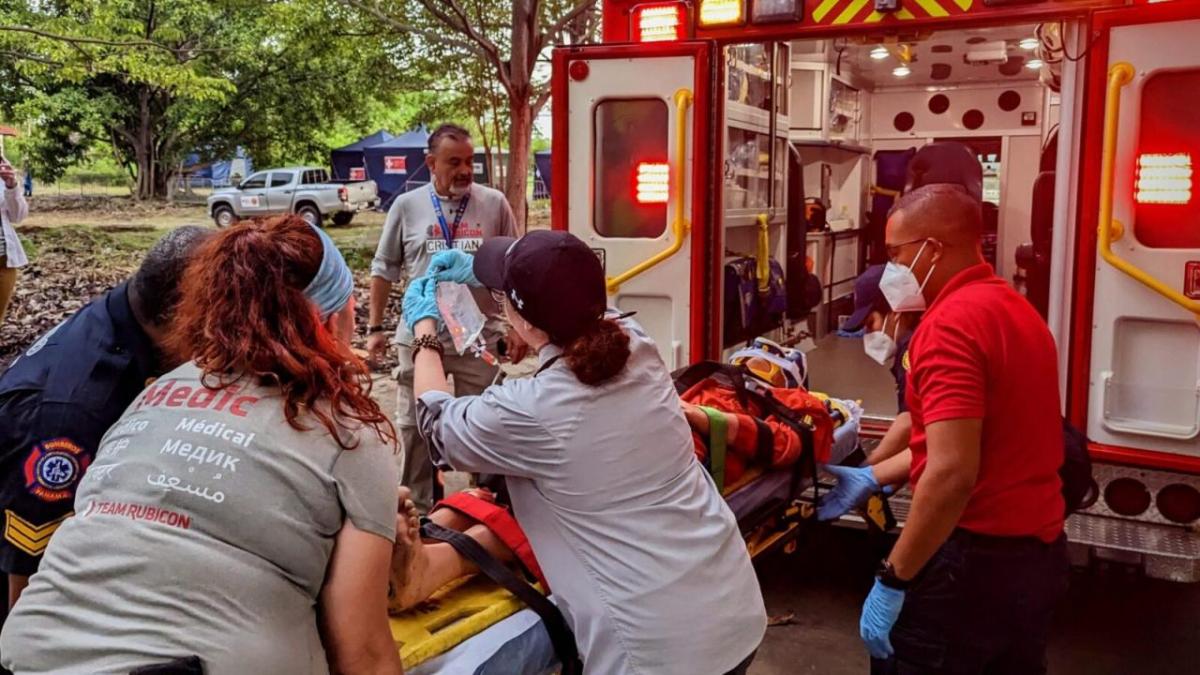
(305, 190)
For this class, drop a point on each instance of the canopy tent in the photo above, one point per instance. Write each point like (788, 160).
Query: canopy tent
(398, 165)
(346, 159)
(217, 173)
(541, 168)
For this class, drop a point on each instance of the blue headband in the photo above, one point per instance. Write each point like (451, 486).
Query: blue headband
(330, 290)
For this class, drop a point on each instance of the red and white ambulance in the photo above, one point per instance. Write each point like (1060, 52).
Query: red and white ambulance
(703, 131)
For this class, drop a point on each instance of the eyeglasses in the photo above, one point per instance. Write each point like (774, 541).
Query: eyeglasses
(893, 250)
(498, 296)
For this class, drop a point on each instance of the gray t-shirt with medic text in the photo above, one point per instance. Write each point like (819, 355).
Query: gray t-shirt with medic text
(412, 234)
(204, 526)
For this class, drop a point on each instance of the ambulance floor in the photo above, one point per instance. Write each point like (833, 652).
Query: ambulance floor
(1110, 624)
(840, 368)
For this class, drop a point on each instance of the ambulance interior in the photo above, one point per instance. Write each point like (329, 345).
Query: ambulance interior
(855, 110)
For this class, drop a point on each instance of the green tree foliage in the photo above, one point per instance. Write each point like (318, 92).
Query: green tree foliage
(494, 53)
(157, 79)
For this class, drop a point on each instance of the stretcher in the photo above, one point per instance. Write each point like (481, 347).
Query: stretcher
(473, 627)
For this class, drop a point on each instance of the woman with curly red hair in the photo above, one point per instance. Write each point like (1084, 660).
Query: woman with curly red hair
(241, 496)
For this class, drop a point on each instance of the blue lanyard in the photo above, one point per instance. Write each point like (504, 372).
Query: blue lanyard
(448, 231)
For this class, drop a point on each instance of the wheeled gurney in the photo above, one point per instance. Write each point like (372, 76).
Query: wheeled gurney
(477, 628)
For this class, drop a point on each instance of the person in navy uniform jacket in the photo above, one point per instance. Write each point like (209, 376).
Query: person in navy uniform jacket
(63, 393)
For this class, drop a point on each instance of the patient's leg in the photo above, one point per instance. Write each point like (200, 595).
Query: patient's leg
(419, 568)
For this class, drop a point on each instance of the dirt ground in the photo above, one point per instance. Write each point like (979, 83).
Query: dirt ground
(1111, 624)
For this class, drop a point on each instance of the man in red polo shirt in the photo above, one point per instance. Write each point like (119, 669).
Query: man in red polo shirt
(971, 583)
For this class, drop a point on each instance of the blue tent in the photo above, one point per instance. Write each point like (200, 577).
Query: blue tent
(541, 167)
(219, 173)
(345, 159)
(398, 164)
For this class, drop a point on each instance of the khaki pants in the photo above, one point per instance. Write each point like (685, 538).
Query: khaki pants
(8, 282)
(471, 376)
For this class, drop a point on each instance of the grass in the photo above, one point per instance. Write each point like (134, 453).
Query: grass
(100, 227)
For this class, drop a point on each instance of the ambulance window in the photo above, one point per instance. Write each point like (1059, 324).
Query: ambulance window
(632, 178)
(747, 169)
(1166, 198)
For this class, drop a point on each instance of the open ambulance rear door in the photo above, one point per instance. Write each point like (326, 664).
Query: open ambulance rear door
(1135, 365)
(633, 154)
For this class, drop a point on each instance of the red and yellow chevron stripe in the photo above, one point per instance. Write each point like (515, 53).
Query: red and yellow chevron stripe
(844, 12)
(27, 537)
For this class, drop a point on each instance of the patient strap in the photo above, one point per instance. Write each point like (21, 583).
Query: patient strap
(718, 442)
(497, 519)
(556, 626)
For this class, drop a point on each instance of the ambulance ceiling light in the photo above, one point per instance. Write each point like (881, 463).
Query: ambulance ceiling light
(721, 12)
(661, 22)
(879, 53)
(1029, 44)
(653, 182)
(1035, 64)
(1164, 179)
(901, 71)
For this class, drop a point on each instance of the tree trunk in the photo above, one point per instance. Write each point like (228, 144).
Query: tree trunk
(519, 140)
(520, 68)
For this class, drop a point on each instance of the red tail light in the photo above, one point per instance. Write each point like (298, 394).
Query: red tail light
(660, 22)
(1164, 179)
(344, 194)
(653, 182)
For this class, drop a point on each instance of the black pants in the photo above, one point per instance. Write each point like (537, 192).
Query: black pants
(982, 606)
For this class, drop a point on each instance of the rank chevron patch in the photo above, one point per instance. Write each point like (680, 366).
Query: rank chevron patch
(30, 538)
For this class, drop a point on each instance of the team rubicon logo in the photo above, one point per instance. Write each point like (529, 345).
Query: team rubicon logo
(53, 468)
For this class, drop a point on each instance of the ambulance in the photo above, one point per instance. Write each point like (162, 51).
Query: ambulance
(732, 162)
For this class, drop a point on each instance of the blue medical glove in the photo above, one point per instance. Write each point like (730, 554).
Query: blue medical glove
(453, 265)
(420, 301)
(879, 614)
(854, 486)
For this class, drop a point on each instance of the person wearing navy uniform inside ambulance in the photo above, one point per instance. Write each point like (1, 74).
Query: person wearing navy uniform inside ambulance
(887, 335)
(63, 393)
(971, 584)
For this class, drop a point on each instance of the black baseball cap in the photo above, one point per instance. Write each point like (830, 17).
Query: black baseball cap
(551, 278)
(946, 162)
(867, 298)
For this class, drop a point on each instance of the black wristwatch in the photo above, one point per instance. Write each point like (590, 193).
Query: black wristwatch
(887, 576)
(378, 328)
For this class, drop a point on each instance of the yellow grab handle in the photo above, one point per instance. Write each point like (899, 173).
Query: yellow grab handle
(1119, 75)
(762, 256)
(680, 226)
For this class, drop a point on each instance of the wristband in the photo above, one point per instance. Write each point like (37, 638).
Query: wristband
(378, 328)
(431, 342)
(887, 577)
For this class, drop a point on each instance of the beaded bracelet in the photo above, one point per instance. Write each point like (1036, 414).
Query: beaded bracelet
(428, 342)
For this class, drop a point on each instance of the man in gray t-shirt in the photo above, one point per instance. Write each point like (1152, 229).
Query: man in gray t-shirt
(450, 212)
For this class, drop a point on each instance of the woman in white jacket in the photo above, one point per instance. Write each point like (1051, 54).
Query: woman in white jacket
(13, 210)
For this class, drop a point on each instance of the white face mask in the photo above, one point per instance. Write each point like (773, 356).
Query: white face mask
(901, 288)
(880, 346)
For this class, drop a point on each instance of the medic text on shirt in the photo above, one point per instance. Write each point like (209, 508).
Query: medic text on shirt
(216, 430)
(171, 396)
(166, 482)
(199, 454)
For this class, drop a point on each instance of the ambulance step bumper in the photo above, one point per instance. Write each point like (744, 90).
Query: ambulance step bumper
(1162, 551)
